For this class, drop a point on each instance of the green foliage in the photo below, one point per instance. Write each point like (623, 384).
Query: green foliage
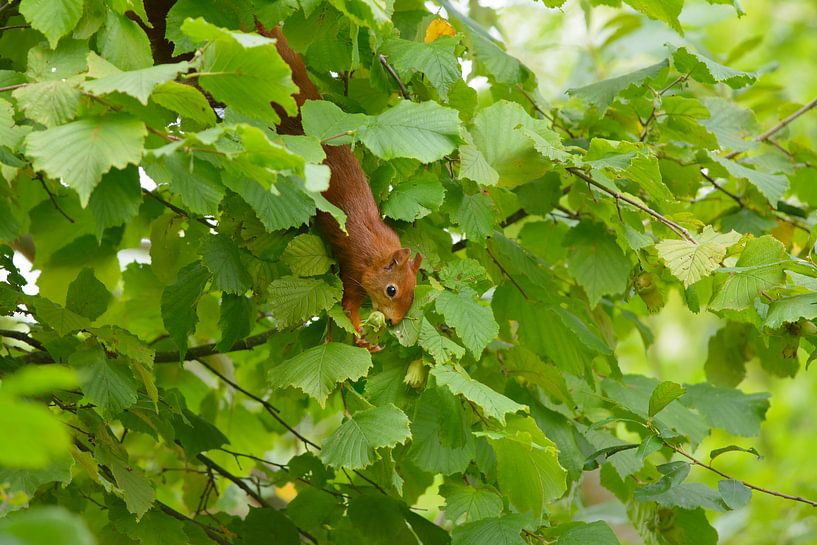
(184, 371)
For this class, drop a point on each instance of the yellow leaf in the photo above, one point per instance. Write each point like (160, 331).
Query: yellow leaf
(437, 28)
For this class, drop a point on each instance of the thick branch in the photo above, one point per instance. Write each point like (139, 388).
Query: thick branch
(697, 462)
(20, 336)
(174, 357)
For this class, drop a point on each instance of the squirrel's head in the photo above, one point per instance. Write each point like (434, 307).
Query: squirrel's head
(390, 284)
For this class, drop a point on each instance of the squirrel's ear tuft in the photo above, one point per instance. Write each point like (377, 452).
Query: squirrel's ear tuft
(398, 258)
(416, 262)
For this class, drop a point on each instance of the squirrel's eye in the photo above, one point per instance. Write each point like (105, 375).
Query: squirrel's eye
(391, 290)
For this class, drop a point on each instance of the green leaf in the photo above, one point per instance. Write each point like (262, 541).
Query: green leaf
(727, 408)
(49, 525)
(474, 166)
(243, 70)
(441, 348)
(436, 60)
(625, 161)
(354, 443)
(664, 394)
(197, 182)
(327, 122)
(597, 533)
(441, 436)
(290, 208)
(504, 530)
(87, 296)
(135, 488)
(791, 309)
(61, 320)
(602, 93)
(305, 255)
(295, 300)
(690, 261)
(507, 150)
(267, 525)
(528, 469)
(35, 380)
(474, 502)
(735, 494)
(54, 18)
(492, 403)
(706, 70)
(318, 370)
(772, 186)
(123, 42)
(730, 123)
(661, 10)
(414, 198)
(596, 261)
(31, 436)
(79, 153)
(474, 323)
(117, 198)
(476, 216)
(137, 83)
(236, 319)
(105, 383)
(49, 102)
(179, 302)
(425, 131)
(221, 256)
(759, 268)
(121, 341)
(185, 100)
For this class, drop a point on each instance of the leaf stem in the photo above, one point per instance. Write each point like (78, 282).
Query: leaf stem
(54, 200)
(12, 87)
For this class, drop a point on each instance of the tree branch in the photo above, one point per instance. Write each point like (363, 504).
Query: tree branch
(24, 337)
(704, 465)
(174, 356)
(395, 77)
(246, 488)
(778, 127)
(54, 200)
(273, 411)
(677, 229)
(176, 209)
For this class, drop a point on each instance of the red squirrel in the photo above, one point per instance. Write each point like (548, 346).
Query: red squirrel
(372, 260)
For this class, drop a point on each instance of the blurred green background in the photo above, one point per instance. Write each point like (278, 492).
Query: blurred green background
(778, 40)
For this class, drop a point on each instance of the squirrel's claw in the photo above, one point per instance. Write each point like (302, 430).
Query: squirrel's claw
(363, 343)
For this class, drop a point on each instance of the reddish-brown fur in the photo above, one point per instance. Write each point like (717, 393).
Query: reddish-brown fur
(371, 257)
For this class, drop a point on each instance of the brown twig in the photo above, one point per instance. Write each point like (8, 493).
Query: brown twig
(704, 465)
(246, 488)
(24, 337)
(677, 229)
(395, 77)
(174, 357)
(552, 118)
(54, 200)
(778, 127)
(505, 272)
(12, 87)
(273, 411)
(176, 209)
(12, 27)
(722, 189)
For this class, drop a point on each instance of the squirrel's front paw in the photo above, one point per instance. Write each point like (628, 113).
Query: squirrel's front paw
(363, 343)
